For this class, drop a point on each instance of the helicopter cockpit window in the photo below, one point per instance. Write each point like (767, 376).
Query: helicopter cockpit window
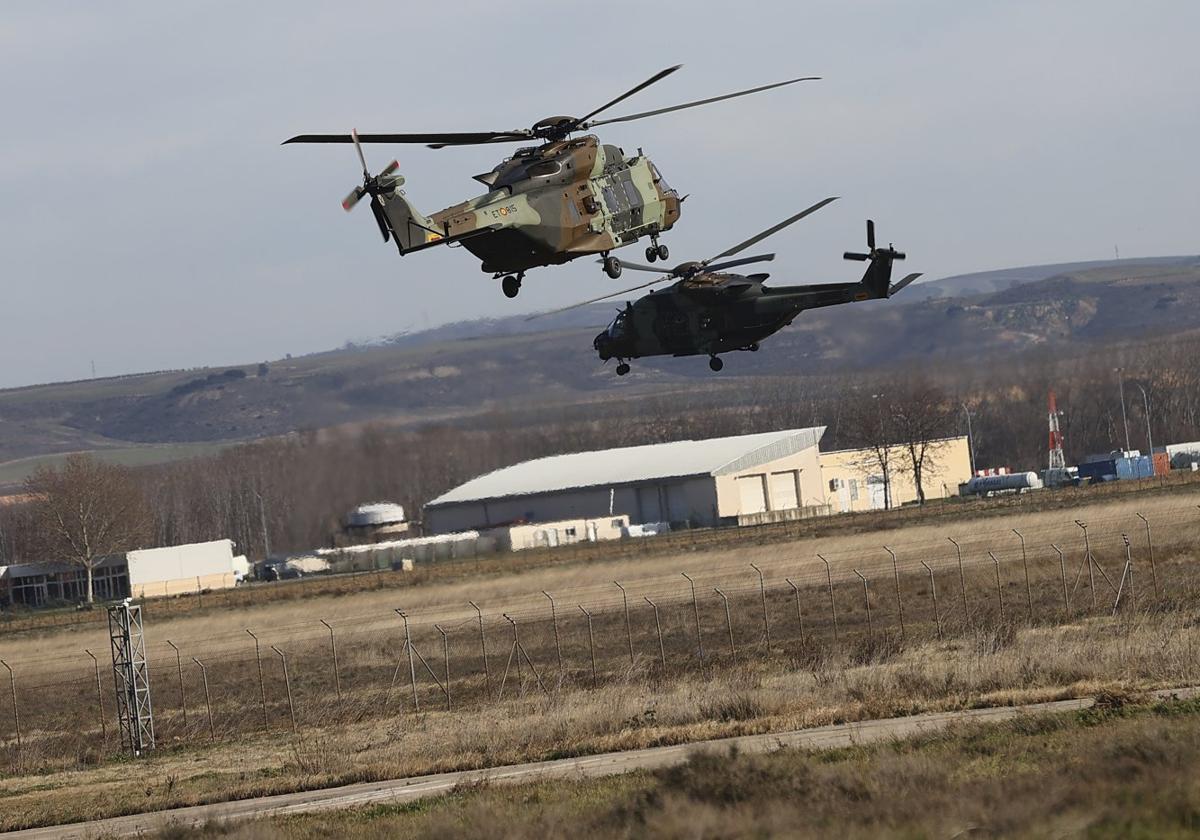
(658, 178)
(619, 327)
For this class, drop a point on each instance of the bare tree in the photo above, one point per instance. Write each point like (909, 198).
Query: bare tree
(870, 425)
(86, 511)
(921, 418)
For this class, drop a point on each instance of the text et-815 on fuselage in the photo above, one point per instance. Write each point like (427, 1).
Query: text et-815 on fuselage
(571, 196)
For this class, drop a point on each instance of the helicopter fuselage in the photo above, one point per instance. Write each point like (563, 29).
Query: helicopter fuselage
(551, 204)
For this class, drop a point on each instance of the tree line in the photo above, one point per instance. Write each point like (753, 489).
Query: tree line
(290, 493)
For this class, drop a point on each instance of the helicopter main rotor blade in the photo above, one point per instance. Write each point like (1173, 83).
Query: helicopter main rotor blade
(735, 263)
(462, 138)
(697, 103)
(736, 249)
(662, 279)
(657, 77)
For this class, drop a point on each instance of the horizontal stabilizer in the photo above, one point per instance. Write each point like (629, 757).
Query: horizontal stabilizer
(901, 284)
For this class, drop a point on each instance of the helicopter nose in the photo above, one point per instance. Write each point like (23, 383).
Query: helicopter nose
(601, 345)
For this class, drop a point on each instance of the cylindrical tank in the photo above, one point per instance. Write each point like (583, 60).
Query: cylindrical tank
(1012, 483)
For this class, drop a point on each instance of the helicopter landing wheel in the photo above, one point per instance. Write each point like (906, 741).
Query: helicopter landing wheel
(612, 267)
(651, 254)
(754, 347)
(715, 364)
(663, 252)
(511, 285)
(622, 369)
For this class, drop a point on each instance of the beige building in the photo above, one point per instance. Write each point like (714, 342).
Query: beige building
(744, 479)
(853, 481)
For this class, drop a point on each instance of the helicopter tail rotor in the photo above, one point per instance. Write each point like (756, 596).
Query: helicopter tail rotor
(878, 277)
(872, 252)
(374, 185)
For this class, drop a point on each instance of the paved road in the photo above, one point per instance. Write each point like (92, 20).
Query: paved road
(404, 790)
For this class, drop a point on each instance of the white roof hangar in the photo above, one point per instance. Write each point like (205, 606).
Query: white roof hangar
(588, 483)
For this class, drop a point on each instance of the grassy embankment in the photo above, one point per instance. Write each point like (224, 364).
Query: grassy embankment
(1117, 770)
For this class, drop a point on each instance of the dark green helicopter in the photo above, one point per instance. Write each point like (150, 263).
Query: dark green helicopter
(708, 311)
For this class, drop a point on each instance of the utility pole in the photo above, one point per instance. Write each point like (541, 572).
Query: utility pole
(1149, 434)
(262, 519)
(970, 437)
(1124, 418)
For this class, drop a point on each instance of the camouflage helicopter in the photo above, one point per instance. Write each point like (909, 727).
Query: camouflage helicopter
(546, 205)
(708, 311)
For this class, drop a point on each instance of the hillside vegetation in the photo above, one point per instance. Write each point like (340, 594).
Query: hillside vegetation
(463, 370)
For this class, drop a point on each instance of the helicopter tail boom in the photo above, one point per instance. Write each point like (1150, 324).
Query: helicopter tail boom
(410, 227)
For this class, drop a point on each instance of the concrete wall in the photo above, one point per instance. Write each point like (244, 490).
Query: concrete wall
(806, 466)
(673, 500)
(853, 472)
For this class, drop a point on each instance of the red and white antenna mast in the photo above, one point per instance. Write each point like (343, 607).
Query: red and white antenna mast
(1058, 461)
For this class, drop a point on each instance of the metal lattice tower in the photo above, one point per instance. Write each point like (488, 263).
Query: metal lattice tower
(1058, 461)
(132, 676)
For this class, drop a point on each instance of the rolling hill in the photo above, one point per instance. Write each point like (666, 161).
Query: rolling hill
(463, 369)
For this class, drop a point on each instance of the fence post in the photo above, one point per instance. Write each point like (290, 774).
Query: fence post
(999, 592)
(199, 594)
(516, 646)
(1025, 563)
(557, 644)
(1087, 558)
(1126, 572)
(867, 602)
(179, 673)
(799, 615)
(99, 696)
(1062, 568)
(337, 680)
(487, 674)
(962, 583)
(412, 668)
(628, 626)
(12, 685)
(696, 613)
(212, 732)
(591, 642)
(728, 621)
(287, 682)
(446, 655)
(262, 686)
(832, 606)
(937, 620)
(762, 590)
(662, 651)
(1150, 549)
(899, 602)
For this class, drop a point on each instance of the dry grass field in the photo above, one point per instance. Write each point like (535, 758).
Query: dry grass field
(652, 681)
(1121, 770)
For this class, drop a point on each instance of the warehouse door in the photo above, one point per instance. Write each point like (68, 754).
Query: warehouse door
(752, 493)
(649, 504)
(677, 502)
(784, 493)
(876, 487)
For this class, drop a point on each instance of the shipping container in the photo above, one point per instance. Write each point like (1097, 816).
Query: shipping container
(1134, 468)
(1162, 463)
(1092, 472)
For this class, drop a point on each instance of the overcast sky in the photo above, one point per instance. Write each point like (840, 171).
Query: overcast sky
(150, 219)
